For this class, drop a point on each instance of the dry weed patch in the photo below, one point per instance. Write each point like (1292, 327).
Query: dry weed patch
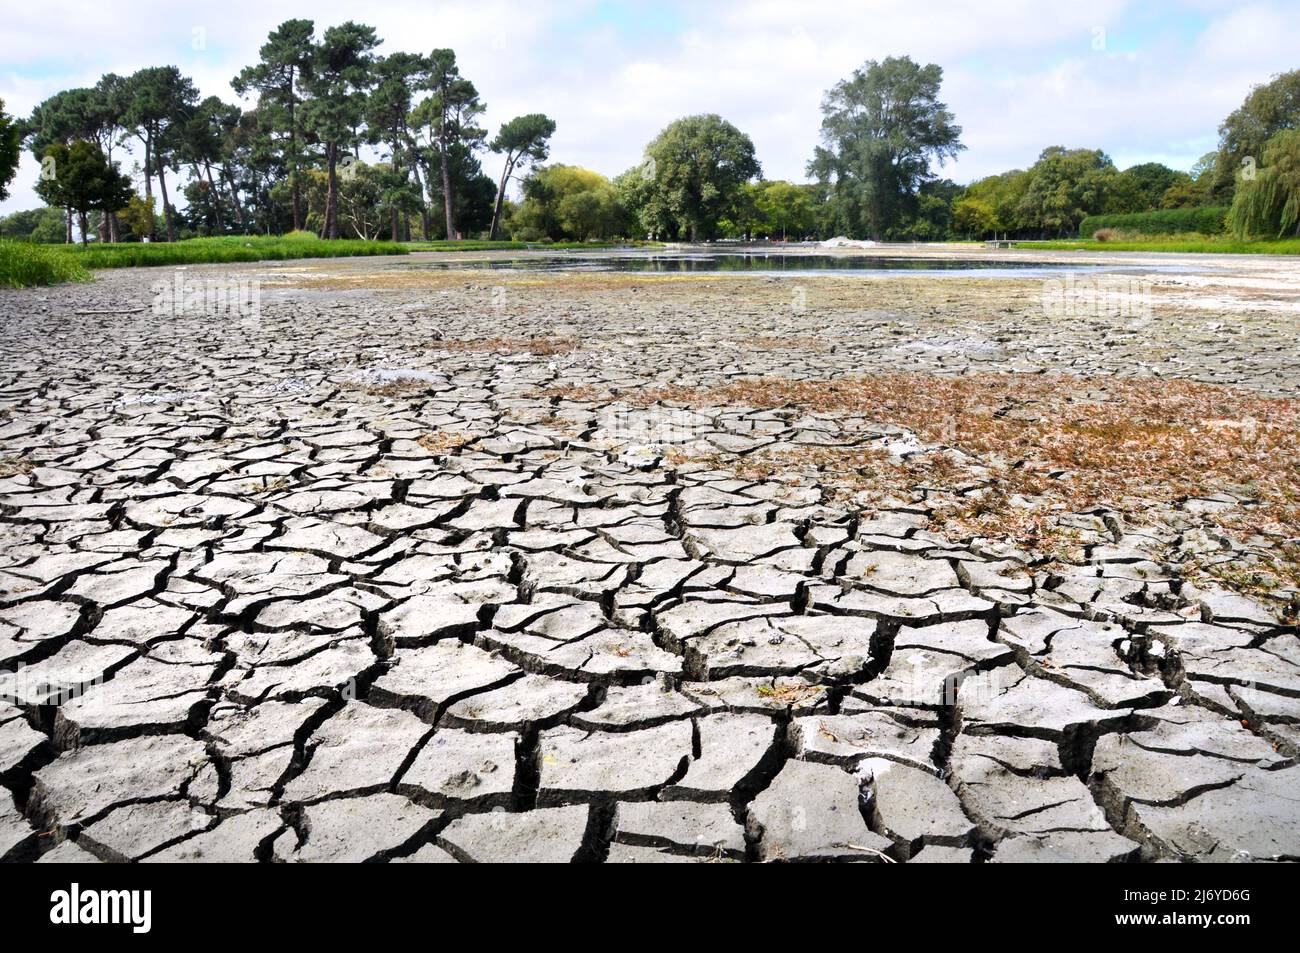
(1035, 447)
(15, 466)
(440, 441)
(398, 387)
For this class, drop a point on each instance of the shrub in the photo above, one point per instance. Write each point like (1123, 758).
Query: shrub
(1104, 234)
(1208, 220)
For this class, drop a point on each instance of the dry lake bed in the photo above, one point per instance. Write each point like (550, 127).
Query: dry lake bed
(407, 562)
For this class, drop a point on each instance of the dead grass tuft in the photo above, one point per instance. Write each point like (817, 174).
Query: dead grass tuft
(576, 392)
(440, 441)
(396, 387)
(787, 693)
(15, 466)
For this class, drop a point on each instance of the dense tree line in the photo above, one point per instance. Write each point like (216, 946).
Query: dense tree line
(289, 157)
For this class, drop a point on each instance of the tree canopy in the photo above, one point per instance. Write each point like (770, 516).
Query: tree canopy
(1267, 110)
(1268, 204)
(692, 177)
(523, 139)
(882, 128)
(566, 202)
(10, 149)
(82, 178)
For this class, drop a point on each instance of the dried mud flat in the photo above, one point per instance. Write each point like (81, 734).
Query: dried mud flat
(469, 566)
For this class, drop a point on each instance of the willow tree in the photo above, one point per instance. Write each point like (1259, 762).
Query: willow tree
(1268, 205)
(1268, 109)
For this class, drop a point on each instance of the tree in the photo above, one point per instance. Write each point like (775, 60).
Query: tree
(286, 61)
(449, 114)
(83, 179)
(473, 190)
(1267, 110)
(1192, 190)
(138, 216)
(159, 102)
(1002, 194)
(258, 168)
(205, 145)
(83, 113)
(339, 78)
(1142, 188)
(42, 225)
(1268, 205)
(387, 112)
(931, 215)
(1064, 187)
(974, 217)
(786, 208)
(568, 202)
(694, 173)
(881, 129)
(523, 139)
(9, 150)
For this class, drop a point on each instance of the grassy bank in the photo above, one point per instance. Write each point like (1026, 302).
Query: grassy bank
(229, 248)
(1209, 246)
(23, 264)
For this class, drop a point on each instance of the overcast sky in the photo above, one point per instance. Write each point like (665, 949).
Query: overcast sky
(1141, 80)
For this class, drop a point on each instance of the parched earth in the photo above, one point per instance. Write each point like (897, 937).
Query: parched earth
(471, 566)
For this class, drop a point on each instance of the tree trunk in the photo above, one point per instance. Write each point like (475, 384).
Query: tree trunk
(67, 222)
(446, 190)
(501, 197)
(167, 205)
(234, 200)
(148, 184)
(395, 215)
(85, 227)
(217, 197)
(113, 233)
(424, 199)
(293, 161)
(332, 194)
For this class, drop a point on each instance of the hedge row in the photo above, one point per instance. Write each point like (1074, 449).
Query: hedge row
(1169, 221)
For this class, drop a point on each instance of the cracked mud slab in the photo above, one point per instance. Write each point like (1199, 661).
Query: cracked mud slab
(457, 567)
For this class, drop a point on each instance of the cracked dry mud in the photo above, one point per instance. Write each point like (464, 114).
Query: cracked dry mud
(395, 573)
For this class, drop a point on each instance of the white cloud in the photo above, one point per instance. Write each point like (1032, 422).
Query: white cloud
(1019, 74)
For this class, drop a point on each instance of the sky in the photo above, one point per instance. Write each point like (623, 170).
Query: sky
(1144, 81)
